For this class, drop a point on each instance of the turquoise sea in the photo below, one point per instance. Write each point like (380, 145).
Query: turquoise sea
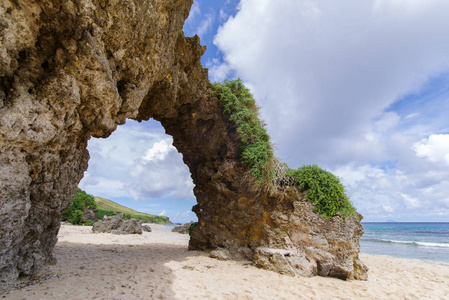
(419, 241)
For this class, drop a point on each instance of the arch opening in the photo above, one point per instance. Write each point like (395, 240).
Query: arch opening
(138, 167)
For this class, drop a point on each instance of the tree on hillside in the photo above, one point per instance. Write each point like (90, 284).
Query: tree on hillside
(81, 203)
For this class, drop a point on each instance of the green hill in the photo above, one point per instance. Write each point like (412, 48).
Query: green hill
(111, 208)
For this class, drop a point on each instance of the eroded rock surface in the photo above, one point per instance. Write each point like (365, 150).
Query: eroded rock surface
(280, 231)
(70, 70)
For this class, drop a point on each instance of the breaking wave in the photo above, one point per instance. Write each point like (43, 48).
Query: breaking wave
(410, 243)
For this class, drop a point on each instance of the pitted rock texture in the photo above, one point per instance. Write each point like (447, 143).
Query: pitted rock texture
(279, 231)
(73, 69)
(70, 70)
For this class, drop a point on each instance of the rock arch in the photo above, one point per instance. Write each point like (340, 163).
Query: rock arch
(75, 69)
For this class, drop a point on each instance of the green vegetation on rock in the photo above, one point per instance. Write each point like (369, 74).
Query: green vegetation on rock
(241, 107)
(107, 207)
(89, 223)
(193, 225)
(323, 188)
(80, 204)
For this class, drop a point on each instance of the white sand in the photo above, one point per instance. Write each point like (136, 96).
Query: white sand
(157, 265)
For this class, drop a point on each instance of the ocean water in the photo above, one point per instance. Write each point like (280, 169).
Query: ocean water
(419, 241)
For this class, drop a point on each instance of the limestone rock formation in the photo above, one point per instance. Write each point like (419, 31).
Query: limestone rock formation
(117, 225)
(90, 215)
(72, 70)
(146, 228)
(282, 233)
(183, 229)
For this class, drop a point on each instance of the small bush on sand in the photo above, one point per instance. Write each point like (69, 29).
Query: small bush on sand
(80, 203)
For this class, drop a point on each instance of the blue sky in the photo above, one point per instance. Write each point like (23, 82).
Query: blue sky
(360, 88)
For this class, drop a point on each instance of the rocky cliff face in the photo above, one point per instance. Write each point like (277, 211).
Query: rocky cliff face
(70, 70)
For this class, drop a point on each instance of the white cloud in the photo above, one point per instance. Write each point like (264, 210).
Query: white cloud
(162, 213)
(329, 75)
(435, 148)
(103, 186)
(159, 151)
(223, 15)
(329, 68)
(195, 12)
(162, 176)
(139, 162)
(389, 121)
(186, 216)
(387, 208)
(413, 115)
(351, 174)
(377, 191)
(410, 201)
(205, 25)
(408, 7)
(218, 71)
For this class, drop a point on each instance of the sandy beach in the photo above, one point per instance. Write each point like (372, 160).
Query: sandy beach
(157, 265)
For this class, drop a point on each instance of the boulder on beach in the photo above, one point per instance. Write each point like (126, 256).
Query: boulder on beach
(90, 215)
(117, 225)
(183, 229)
(146, 228)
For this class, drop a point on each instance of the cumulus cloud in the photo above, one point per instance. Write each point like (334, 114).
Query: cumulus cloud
(435, 148)
(160, 174)
(380, 192)
(332, 67)
(218, 71)
(158, 151)
(139, 162)
(205, 25)
(351, 85)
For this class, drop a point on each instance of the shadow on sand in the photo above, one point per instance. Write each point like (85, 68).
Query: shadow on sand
(107, 271)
